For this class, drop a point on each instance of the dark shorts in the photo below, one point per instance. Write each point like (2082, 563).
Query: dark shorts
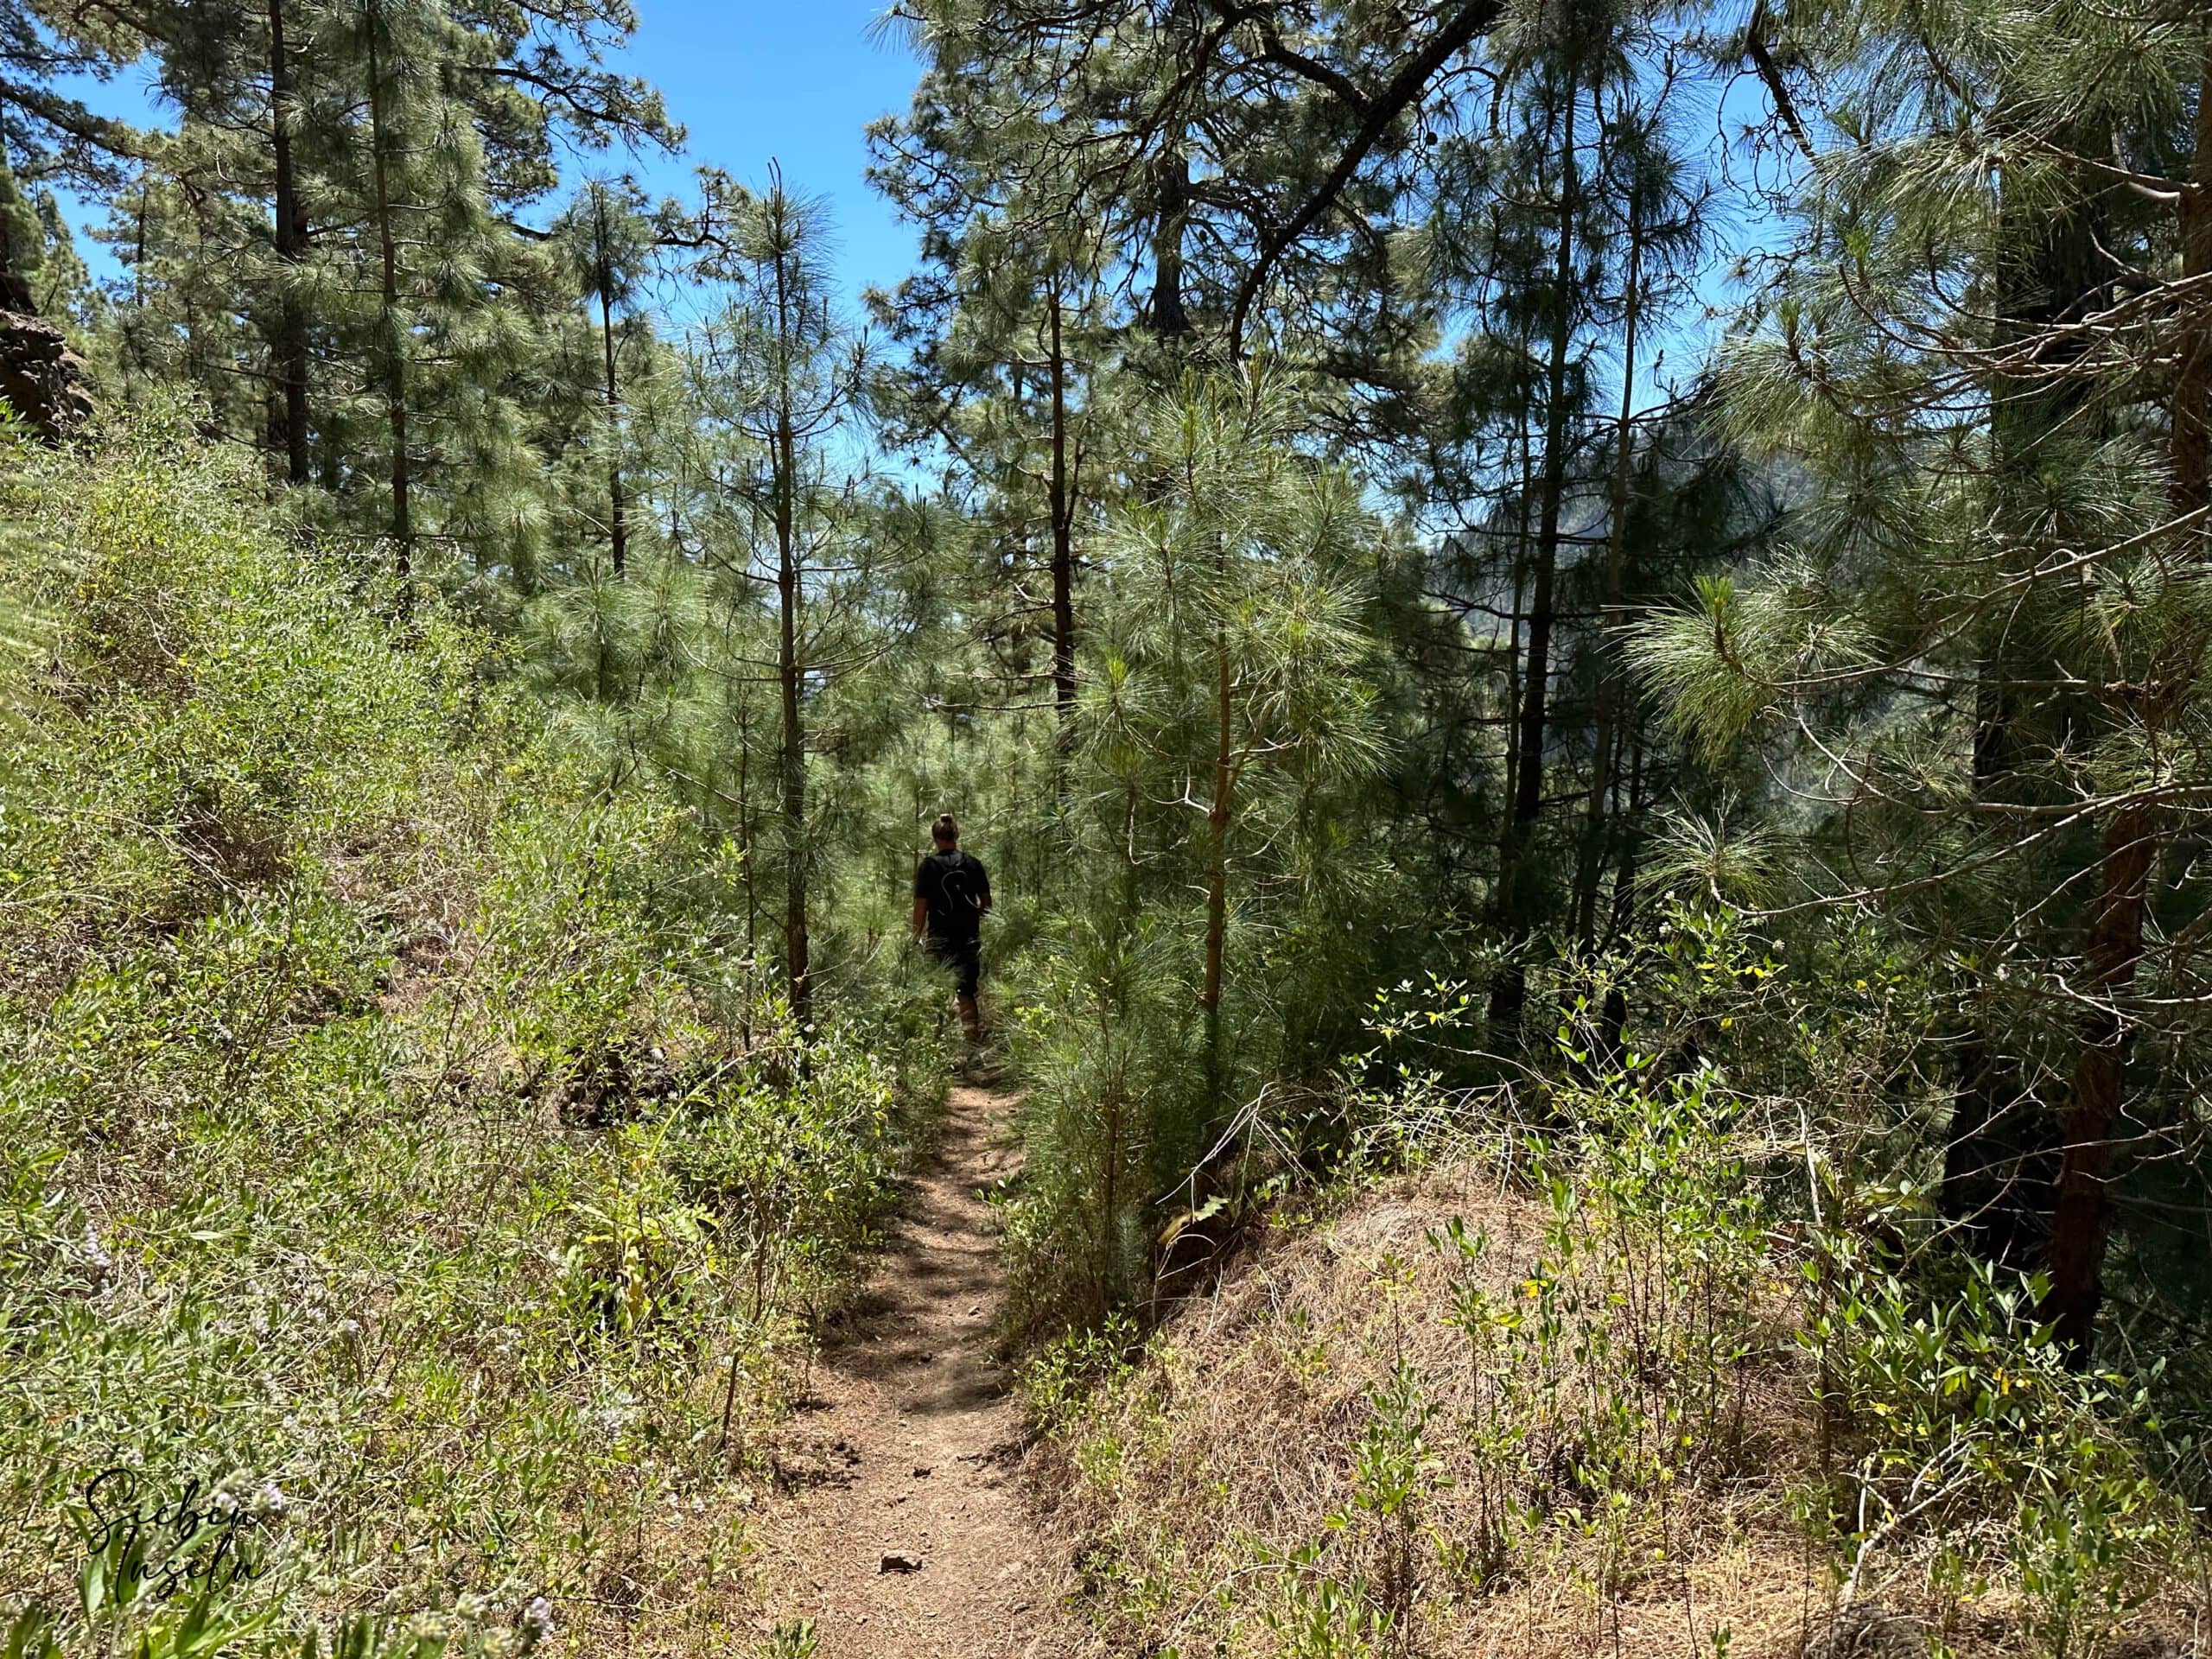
(964, 956)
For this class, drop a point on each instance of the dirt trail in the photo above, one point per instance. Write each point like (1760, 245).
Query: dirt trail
(910, 1447)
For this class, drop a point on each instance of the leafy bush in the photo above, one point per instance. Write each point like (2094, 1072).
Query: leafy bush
(1637, 1347)
(396, 1150)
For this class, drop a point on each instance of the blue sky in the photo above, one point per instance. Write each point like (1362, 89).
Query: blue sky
(753, 82)
(758, 80)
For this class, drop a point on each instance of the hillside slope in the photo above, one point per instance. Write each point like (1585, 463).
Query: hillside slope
(1605, 1402)
(403, 1186)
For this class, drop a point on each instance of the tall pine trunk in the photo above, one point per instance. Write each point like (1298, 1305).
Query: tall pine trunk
(2112, 945)
(2001, 1151)
(1170, 318)
(394, 364)
(790, 670)
(1516, 904)
(618, 528)
(1061, 502)
(2132, 834)
(289, 347)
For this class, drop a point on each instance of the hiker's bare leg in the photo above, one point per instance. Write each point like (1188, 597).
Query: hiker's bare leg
(971, 1019)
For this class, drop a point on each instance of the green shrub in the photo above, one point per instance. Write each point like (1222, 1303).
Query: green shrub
(391, 1132)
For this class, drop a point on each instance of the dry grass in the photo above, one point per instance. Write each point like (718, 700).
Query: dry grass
(1206, 1492)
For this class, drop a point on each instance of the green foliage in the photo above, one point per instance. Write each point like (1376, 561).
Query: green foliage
(453, 924)
(399, 1151)
(1949, 1408)
(1218, 761)
(1576, 1402)
(1699, 1324)
(1056, 1379)
(794, 1639)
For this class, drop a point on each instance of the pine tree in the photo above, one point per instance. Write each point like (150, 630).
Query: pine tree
(1991, 628)
(41, 270)
(1007, 328)
(48, 135)
(607, 242)
(1239, 670)
(779, 380)
(1558, 228)
(241, 232)
(1229, 159)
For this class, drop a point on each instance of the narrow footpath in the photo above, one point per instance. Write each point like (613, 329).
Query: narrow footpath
(905, 1533)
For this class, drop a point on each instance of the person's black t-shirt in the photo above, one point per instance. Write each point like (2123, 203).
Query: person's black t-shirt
(955, 888)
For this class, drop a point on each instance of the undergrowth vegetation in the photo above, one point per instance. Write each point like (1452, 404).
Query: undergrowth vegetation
(1659, 1369)
(411, 1207)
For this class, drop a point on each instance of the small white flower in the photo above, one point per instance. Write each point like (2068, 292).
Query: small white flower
(537, 1622)
(270, 1501)
(95, 1253)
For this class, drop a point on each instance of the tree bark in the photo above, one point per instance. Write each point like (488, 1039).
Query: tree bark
(618, 529)
(1061, 501)
(1515, 903)
(289, 347)
(790, 670)
(2082, 1216)
(2002, 1147)
(2132, 836)
(395, 366)
(1170, 318)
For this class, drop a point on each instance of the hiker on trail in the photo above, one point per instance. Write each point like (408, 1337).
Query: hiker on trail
(951, 893)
